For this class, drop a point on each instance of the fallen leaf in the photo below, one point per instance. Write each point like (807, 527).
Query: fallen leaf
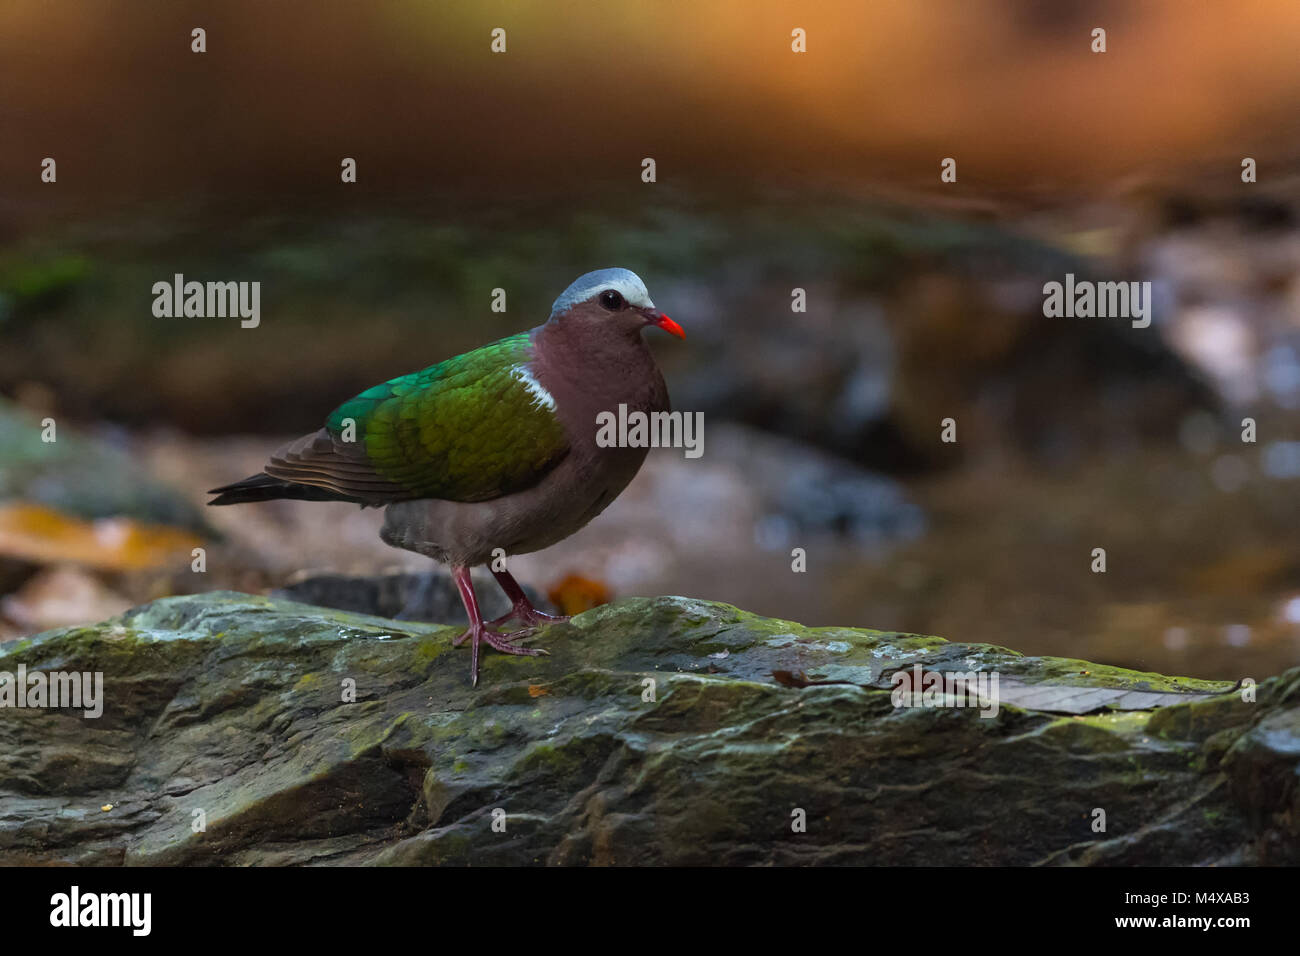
(43, 535)
(576, 594)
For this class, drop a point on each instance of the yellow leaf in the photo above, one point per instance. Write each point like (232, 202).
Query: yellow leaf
(43, 535)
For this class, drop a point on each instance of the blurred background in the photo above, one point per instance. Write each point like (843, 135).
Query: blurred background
(775, 170)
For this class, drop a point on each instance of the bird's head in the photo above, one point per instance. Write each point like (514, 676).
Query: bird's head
(608, 300)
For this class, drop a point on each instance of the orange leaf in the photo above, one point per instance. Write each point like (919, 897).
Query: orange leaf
(576, 594)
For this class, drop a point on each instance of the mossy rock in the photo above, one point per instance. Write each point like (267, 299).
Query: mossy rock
(657, 731)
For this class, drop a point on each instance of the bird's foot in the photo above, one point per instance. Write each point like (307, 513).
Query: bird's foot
(528, 616)
(505, 643)
(509, 643)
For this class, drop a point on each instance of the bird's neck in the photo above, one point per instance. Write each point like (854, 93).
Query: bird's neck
(596, 371)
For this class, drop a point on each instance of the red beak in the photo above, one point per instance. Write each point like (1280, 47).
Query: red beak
(669, 326)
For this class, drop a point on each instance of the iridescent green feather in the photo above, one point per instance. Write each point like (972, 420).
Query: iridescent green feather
(467, 429)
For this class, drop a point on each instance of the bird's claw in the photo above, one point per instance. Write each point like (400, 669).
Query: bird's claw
(502, 643)
(529, 616)
(514, 637)
(505, 643)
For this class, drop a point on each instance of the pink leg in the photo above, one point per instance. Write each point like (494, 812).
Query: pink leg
(478, 631)
(521, 608)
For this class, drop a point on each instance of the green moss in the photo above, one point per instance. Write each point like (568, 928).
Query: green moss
(1087, 674)
(308, 681)
(1202, 719)
(1125, 721)
(429, 650)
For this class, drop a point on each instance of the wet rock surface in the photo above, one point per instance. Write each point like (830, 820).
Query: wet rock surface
(658, 731)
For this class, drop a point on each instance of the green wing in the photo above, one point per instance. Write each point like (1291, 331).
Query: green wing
(471, 428)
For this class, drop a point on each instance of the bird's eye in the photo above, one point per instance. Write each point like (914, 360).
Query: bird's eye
(611, 300)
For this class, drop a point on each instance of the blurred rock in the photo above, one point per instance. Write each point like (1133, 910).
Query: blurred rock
(418, 597)
(911, 320)
(84, 476)
(1230, 268)
(61, 597)
(801, 491)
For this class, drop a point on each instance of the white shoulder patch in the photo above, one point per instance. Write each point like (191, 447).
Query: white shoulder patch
(540, 395)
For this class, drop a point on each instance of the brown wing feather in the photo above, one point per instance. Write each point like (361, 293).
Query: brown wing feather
(318, 459)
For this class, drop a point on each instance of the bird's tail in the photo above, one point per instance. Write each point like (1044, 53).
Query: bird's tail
(265, 488)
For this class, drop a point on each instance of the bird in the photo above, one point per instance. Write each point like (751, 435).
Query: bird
(491, 453)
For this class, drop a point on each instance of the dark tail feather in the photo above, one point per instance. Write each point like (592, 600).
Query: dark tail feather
(266, 488)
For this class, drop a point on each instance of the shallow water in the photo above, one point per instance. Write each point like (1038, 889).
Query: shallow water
(1198, 580)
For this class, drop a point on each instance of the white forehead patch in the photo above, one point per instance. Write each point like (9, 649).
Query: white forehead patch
(623, 281)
